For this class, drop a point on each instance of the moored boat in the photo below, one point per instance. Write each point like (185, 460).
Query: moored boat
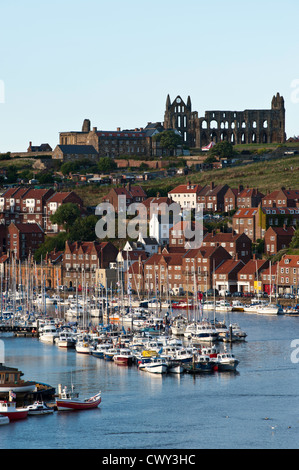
(123, 357)
(156, 366)
(39, 408)
(227, 362)
(69, 401)
(9, 409)
(4, 420)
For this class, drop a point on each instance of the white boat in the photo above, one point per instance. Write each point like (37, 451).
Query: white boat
(83, 346)
(4, 420)
(65, 340)
(222, 306)
(48, 334)
(156, 366)
(200, 332)
(269, 309)
(226, 362)
(39, 408)
(175, 367)
(100, 350)
(178, 326)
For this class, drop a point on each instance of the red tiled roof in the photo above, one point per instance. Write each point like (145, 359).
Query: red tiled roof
(59, 196)
(228, 266)
(186, 188)
(246, 212)
(253, 265)
(250, 192)
(28, 228)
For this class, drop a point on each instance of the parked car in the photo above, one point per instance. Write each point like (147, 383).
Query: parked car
(237, 294)
(210, 292)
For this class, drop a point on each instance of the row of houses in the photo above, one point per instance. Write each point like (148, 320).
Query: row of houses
(212, 268)
(30, 205)
(222, 198)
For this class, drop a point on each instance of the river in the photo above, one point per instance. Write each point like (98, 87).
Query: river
(255, 408)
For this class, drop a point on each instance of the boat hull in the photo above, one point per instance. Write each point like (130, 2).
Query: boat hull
(16, 414)
(24, 388)
(75, 405)
(156, 369)
(123, 361)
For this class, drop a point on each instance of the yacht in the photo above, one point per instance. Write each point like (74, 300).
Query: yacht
(201, 332)
(48, 334)
(65, 339)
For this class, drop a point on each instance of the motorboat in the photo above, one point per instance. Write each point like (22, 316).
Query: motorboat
(237, 306)
(100, 350)
(178, 326)
(269, 309)
(65, 339)
(234, 333)
(9, 409)
(70, 401)
(4, 420)
(156, 366)
(227, 362)
(110, 353)
(200, 363)
(123, 357)
(48, 334)
(175, 367)
(83, 346)
(39, 408)
(202, 332)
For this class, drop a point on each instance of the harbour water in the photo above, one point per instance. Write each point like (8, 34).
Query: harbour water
(255, 408)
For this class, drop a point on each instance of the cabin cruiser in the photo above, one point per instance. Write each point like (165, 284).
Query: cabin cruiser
(48, 334)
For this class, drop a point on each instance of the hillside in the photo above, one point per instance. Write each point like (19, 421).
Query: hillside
(265, 175)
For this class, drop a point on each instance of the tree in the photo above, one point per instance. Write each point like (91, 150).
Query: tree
(83, 229)
(106, 164)
(169, 140)
(51, 243)
(66, 215)
(295, 240)
(223, 149)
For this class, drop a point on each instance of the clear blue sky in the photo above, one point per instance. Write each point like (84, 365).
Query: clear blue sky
(114, 62)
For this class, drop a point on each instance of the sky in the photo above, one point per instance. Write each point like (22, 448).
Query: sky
(114, 62)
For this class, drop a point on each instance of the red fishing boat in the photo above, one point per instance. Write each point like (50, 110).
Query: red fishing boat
(9, 409)
(68, 401)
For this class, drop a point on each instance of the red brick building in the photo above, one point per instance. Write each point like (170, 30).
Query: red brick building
(24, 205)
(24, 239)
(249, 276)
(81, 259)
(238, 245)
(29, 205)
(278, 238)
(247, 221)
(131, 193)
(249, 197)
(226, 275)
(281, 198)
